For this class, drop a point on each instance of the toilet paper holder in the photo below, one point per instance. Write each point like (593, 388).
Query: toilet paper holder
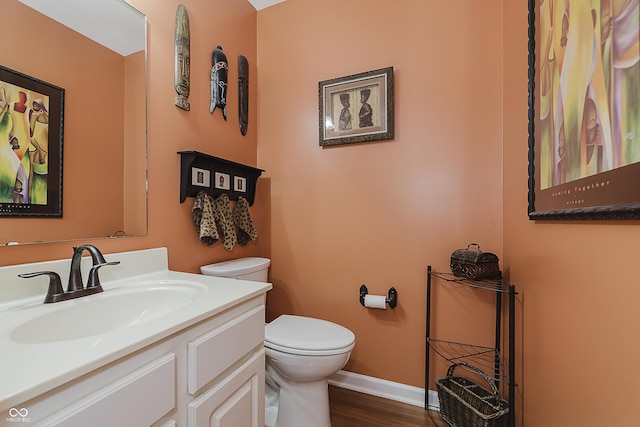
(392, 300)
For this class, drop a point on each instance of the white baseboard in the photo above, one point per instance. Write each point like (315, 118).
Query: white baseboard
(383, 388)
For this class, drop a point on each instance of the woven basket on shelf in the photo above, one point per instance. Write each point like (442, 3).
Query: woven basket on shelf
(464, 403)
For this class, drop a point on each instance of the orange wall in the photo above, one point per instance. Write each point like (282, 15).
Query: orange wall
(135, 158)
(232, 24)
(578, 304)
(379, 213)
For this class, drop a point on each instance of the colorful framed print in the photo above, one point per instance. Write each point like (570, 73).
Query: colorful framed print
(584, 110)
(31, 136)
(356, 108)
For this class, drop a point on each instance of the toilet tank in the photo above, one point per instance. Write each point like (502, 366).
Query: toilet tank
(249, 268)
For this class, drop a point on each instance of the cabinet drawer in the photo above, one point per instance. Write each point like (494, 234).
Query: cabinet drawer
(237, 401)
(214, 352)
(138, 399)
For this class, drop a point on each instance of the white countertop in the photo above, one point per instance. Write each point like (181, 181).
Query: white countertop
(30, 369)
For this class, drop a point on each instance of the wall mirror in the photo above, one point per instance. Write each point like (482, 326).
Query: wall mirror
(96, 51)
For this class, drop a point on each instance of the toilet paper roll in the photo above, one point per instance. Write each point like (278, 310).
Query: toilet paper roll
(375, 301)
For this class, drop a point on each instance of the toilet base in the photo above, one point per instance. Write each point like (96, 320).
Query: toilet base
(271, 400)
(290, 403)
(270, 416)
(304, 404)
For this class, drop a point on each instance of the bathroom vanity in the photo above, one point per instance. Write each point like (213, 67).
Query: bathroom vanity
(157, 347)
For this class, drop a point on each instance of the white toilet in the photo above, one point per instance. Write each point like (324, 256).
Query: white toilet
(301, 353)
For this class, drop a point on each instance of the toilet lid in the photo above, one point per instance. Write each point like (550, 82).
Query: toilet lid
(307, 335)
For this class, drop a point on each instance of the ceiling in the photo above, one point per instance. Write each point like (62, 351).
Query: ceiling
(262, 4)
(97, 19)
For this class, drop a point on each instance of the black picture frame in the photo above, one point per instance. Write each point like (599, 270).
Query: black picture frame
(369, 111)
(584, 163)
(31, 140)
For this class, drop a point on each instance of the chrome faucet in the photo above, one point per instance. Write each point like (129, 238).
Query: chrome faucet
(75, 288)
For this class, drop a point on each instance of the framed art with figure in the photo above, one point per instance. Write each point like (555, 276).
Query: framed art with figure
(356, 108)
(584, 109)
(31, 134)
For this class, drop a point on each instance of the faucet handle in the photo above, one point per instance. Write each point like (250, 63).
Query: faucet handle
(55, 292)
(94, 280)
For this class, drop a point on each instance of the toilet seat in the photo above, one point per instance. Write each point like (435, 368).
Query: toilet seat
(307, 336)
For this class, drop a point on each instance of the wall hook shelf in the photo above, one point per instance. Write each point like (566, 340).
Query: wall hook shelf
(216, 176)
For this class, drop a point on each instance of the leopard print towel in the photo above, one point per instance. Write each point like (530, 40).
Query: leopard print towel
(224, 219)
(203, 219)
(242, 217)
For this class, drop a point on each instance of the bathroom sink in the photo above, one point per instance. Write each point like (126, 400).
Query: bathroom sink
(111, 310)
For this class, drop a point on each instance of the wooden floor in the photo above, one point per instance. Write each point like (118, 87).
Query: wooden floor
(354, 409)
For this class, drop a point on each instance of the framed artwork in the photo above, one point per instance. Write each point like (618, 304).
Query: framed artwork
(31, 134)
(240, 184)
(584, 110)
(356, 108)
(200, 177)
(222, 181)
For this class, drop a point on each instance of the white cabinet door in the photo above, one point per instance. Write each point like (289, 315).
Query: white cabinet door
(236, 401)
(138, 399)
(216, 351)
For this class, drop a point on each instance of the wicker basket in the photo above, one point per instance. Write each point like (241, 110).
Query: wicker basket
(464, 403)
